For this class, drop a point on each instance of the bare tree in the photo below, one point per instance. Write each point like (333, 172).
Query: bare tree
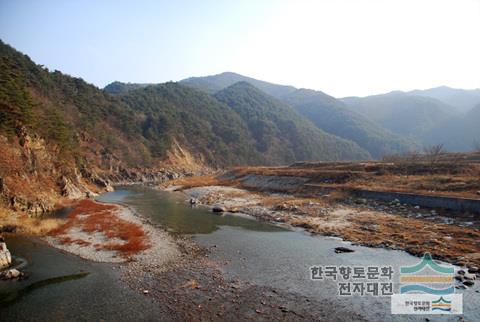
(433, 153)
(413, 156)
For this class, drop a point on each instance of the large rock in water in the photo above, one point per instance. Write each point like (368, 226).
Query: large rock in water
(5, 257)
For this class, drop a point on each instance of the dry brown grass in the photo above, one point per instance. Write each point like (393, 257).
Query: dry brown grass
(200, 181)
(28, 226)
(414, 235)
(447, 178)
(93, 217)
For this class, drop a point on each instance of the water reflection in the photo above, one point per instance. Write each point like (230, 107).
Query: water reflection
(172, 212)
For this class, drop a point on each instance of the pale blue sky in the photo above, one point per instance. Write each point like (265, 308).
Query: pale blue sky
(343, 47)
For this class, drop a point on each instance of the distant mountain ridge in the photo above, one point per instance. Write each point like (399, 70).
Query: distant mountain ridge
(333, 116)
(459, 133)
(394, 122)
(401, 113)
(215, 83)
(119, 87)
(326, 112)
(463, 100)
(425, 115)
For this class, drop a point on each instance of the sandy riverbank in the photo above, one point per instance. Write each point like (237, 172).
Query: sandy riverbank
(112, 233)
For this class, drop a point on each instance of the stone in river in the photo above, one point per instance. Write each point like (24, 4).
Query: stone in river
(343, 250)
(12, 273)
(218, 209)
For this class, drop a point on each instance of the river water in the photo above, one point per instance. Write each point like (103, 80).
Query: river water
(262, 253)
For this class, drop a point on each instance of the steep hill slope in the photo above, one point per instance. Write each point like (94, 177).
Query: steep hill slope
(407, 115)
(210, 130)
(332, 116)
(279, 131)
(59, 136)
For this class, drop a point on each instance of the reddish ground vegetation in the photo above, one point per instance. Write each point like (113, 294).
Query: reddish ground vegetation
(92, 217)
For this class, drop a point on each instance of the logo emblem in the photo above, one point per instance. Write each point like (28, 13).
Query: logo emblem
(427, 288)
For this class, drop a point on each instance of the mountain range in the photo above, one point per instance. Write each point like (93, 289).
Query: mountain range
(390, 123)
(59, 134)
(426, 117)
(226, 119)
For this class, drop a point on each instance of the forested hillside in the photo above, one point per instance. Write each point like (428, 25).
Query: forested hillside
(65, 111)
(334, 117)
(62, 136)
(326, 112)
(211, 131)
(280, 132)
(119, 87)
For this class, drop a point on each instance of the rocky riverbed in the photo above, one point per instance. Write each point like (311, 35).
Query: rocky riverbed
(188, 281)
(360, 221)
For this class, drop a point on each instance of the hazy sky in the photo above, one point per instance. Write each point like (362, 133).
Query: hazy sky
(342, 47)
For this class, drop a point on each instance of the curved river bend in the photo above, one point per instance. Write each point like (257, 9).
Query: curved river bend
(263, 253)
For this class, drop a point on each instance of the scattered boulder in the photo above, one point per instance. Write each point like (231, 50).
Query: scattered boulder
(193, 201)
(5, 256)
(468, 283)
(343, 250)
(469, 276)
(473, 269)
(461, 272)
(218, 209)
(12, 273)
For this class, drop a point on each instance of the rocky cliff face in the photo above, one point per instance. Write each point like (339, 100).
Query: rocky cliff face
(34, 177)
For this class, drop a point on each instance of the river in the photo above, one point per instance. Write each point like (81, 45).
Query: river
(263, 253)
